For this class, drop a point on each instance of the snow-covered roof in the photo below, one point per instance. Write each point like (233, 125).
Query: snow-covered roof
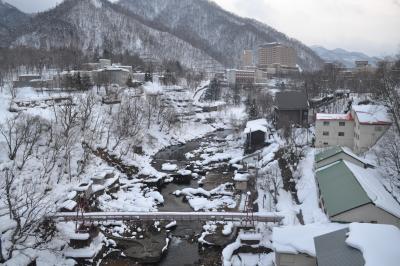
(300, 238)
(369, 181)
(379, 243)
(256, 125)
(241, 177)
(152, 88)
(29, 75)
(68, 204)
(321, 116)
(372, 114)
(332, 151)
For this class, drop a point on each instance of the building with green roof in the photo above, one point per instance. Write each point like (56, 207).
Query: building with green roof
(350, 193)
(333, 154)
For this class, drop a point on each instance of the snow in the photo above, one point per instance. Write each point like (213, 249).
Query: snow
(257, 125)
(84, 186)
(300, 238)
(68, 204)
(131, 200)
(307, 190)
(241, 177)
(249, 259)
(68, 230)
(372, 114)
(72, 195)
(169, 167)
(227, 229)
(212, 204)
(193, 191)
(152, 88)
(156, 195)
(184, 172)
(378, 243)
(88, 252)
(321, 116)
(170, 225)
(227, 252)
(245, 236)
(369, 180)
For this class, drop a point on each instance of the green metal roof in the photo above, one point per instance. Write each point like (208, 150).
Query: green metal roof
(327, 153)
(340, 189)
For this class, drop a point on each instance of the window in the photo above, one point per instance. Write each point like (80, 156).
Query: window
(326, 143)
(378, 128)
(326, 123)
(325, 133)
(342, 124)
(341, 134)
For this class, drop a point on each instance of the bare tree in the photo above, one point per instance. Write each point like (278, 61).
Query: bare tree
(68, 121)
(26, 205)
(294, 138)
(272, 182)
(50, 155)
(13, 136)
(22, 134)
(387, 90)
(127, 121)
(152, 105)
(86, 106)
(389, 157)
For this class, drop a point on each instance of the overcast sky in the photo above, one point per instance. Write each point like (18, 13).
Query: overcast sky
(369, 26)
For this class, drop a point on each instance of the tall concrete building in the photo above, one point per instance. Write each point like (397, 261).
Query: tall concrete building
(276, 54)
(247, 58)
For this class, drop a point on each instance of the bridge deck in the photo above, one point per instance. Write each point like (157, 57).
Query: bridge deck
(169, 216)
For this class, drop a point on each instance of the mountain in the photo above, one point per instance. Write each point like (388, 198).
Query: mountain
(198, 33)
(97, 25)
(221, 34)
(10, 19)
(345, 57)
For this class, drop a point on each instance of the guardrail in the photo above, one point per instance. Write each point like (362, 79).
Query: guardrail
(168, 216)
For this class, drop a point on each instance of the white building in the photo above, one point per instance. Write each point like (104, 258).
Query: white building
(359, 129)
(247, 76)
(240, 76)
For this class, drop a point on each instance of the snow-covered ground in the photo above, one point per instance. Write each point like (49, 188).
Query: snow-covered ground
(64, 182)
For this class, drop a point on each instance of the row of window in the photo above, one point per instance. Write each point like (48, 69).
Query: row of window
(326, 133)
(341, 123)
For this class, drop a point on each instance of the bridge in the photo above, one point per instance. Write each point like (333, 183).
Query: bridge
(167, 216)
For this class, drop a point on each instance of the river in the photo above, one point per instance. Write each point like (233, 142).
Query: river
(184, 248)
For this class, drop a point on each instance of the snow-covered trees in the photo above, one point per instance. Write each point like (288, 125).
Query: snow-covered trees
(26, 204)
(127, 122)
(388, 89)
(22, 133)
(271, 181)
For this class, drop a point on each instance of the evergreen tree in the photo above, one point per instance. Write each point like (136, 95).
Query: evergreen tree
(236, 95)
(129, 82)
(213, 92)
(148, 77)
(86, 82)
(77, 81)
(251, 109)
